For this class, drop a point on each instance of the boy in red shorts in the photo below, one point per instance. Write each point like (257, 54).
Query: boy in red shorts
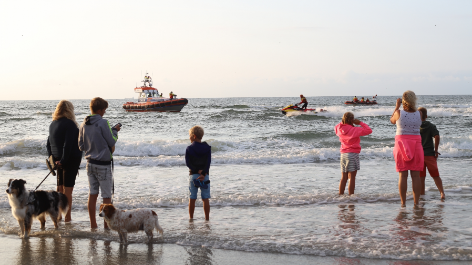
(428, 131)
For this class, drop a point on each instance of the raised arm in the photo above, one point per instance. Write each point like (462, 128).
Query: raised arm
(396, 113)
(363, 130)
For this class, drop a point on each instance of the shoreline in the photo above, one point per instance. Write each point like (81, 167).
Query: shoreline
(65, 250)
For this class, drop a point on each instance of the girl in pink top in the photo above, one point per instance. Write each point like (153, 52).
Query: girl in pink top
(349, 136)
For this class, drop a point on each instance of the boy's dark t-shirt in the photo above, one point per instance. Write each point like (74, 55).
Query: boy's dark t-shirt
(428, 131)
(198, 157)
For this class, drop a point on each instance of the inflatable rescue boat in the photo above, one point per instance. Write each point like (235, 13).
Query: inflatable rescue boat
(360, 103)
(150, 100)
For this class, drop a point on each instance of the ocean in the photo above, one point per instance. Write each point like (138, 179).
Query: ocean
(274, 178)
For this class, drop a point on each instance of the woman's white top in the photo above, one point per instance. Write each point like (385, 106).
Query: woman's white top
(409, 123)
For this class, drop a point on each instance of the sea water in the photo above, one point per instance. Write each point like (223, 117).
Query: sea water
(274, 178)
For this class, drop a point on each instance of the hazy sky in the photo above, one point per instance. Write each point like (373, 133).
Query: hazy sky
(82, 49)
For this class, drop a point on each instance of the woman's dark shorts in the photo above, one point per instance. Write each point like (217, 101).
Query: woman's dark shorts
(66, 174)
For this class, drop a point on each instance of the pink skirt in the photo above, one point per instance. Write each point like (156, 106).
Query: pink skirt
(408, 153)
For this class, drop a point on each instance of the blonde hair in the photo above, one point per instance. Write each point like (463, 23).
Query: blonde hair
(409, 100)
(197, 131)
(348, 118)
(64, 109)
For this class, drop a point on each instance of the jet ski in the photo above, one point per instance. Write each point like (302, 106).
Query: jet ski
(294, 108)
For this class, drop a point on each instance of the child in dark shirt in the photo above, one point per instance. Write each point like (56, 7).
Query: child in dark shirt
(198, 160)
(428, 131)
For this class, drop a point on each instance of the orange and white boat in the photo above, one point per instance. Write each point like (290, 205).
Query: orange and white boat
(150, 100)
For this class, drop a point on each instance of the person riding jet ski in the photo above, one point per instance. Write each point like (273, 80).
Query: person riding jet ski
(304, 101)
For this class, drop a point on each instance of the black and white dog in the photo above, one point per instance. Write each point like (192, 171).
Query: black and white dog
(26, 205)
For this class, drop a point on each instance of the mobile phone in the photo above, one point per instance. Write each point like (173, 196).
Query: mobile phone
(118, 125)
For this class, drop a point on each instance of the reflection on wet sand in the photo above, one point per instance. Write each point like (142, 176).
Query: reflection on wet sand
(66, 250)
(199, 255)
(47, 250)
(421, 223)
(63, 251)
(347, 216)
(350, 223)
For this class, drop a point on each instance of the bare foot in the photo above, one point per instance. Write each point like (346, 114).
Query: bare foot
(443, 196)
(403, 205)
(68, 220)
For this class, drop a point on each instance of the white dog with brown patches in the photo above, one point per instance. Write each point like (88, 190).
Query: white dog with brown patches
(130, 221)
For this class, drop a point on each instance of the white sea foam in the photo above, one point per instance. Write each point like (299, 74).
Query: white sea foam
(171, 153)
(373, 111)
(18, 145)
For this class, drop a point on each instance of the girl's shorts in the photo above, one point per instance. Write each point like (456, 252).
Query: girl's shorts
(350, 162)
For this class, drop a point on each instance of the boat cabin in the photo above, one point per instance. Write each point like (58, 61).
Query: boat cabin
(149, 94)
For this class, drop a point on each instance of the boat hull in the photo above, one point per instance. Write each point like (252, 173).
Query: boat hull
(172, 105)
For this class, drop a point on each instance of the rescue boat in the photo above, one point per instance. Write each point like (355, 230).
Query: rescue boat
(295, 108)
(360, 103)
(150, 100)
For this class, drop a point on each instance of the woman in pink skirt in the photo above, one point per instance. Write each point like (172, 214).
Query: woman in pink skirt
(408, 151)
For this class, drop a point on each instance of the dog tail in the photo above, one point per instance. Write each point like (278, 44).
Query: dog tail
(63, 203)
(156, 224)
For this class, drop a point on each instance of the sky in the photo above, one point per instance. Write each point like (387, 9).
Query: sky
(201, 49)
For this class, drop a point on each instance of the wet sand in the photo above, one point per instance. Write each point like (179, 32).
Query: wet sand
(60, 249)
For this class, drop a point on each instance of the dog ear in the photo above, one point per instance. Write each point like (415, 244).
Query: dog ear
(23, 181)
(109, 210)
(101, 207)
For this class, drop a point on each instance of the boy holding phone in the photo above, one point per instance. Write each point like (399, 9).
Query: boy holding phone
(97, 139)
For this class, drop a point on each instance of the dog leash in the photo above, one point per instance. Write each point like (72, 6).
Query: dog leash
(42, 181)
(32, 192)
(51, 170)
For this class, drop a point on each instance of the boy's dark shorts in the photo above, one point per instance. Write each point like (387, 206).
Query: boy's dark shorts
(430, 163)
(66, 174)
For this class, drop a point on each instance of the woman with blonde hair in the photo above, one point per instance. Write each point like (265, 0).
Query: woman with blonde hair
(349, 136)
(63, 145)
(408, 150)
